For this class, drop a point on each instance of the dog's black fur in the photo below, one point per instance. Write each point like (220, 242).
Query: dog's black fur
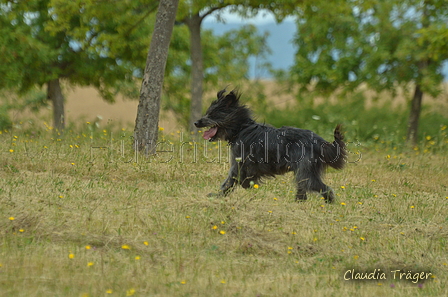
(260, 150)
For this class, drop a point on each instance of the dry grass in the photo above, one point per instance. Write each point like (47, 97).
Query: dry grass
(77, 221)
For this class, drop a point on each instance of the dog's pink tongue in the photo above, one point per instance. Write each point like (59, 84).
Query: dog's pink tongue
(210, 133)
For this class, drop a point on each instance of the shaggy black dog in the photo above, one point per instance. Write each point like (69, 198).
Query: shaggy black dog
(259, 150)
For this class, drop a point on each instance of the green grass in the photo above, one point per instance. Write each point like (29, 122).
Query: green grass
(83, 221)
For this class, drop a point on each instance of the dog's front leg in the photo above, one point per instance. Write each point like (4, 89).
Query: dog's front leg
(229, 183)
(227, 186)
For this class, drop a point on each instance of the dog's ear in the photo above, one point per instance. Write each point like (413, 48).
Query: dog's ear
(220, 93)
(232, 99)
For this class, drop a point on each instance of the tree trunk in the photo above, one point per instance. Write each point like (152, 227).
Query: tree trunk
(197, 68)
(416, 106)
(146, 123)
(54, 93)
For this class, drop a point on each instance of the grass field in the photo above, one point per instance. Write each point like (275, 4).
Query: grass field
(82, 215)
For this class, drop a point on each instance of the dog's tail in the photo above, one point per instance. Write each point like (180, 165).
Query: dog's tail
(334, 153)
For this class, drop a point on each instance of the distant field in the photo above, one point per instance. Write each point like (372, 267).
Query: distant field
(83, 215)
(85, 104)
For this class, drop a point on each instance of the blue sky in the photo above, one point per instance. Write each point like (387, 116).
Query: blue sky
(279, 40)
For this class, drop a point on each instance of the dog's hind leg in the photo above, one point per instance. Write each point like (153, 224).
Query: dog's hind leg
(302, 186)
(308, 180)
(327, 193)
(301, 195)
(317, 185)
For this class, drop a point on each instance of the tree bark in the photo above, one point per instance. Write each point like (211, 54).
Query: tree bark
(146, 123)
(54, 94)
(416, 106)
(197, 68)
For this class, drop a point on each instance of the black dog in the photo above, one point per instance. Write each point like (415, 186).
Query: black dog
(259, 150)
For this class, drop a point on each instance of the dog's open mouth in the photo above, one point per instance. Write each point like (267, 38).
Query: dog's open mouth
(210, 133)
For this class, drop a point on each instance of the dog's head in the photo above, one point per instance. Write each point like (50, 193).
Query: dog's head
(224, 117)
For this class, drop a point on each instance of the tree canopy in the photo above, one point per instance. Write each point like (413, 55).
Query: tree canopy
(384, 44)
(377, 42)
(340, 45)
(192, 13)
(79, 43)
(46, 41)
(226, 60)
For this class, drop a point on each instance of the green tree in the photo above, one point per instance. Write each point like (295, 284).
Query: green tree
(192, 13)
(226, 60)
(385, 44)
(78, 42)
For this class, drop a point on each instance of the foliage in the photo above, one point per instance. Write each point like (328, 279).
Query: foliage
(245, 8)
(77, 41)
(385, 44)
(80, 42)
(5, 119)
(33, 100)
(250, 8)
(115, 47)
(225, 60)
